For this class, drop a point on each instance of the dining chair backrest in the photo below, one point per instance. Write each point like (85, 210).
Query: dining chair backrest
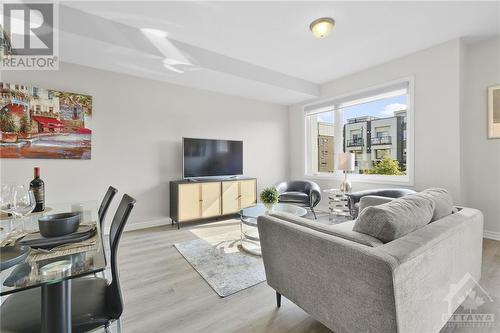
(114, 295)
(103, 209)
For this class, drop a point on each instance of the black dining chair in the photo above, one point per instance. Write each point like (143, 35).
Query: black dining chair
(96, 303)
(103, 209)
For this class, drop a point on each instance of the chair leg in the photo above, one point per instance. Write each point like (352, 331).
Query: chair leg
(314, 213)
(278, 299)
(119, 325)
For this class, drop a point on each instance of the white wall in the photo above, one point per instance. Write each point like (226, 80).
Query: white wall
(437, 116)
(481, 157)
(136, 143)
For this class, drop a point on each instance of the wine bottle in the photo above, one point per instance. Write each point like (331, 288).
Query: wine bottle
(38, 187)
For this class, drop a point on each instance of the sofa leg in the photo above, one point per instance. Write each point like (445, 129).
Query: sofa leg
(278, 299)
(314, 213)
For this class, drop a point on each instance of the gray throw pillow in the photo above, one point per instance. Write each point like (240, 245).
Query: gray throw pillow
(395, 219)
(443, 203)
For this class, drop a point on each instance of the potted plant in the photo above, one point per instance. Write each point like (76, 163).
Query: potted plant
(8, 128)
(269, 196)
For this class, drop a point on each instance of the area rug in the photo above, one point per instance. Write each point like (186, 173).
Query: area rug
(223, 265)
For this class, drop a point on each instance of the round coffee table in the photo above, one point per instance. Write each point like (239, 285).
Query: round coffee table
(249, 239)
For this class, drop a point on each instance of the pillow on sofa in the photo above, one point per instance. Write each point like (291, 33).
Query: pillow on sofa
(372, 200)
(443, 203)
(395, 219)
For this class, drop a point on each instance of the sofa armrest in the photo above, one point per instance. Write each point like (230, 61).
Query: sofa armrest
(345, 285)
(431, 260)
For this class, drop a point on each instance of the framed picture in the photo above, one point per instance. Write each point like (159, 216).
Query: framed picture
(494, 112)
(44, 123)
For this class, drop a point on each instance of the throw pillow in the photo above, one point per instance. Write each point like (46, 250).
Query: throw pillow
(395, 219)
(443, 203)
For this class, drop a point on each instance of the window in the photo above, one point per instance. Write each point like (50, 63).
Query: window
(381, 153)
(373, 125)
(321, 131)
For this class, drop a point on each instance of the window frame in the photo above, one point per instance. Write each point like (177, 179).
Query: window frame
(332, 104)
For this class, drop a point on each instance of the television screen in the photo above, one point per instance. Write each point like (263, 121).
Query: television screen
(208, 158)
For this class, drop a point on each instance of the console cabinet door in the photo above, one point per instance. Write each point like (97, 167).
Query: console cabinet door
(248, 193)
(230, 197)
(189, 202)
(210, 199)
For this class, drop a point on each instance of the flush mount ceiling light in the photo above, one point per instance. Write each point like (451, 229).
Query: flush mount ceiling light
(322, 26)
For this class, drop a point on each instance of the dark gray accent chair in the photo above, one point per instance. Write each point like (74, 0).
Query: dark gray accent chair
(355, 197)
(300, 192)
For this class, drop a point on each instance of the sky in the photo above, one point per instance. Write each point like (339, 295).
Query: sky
(381, 108)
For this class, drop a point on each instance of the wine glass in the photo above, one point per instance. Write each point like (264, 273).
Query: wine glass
(6, 201)
(24, 202)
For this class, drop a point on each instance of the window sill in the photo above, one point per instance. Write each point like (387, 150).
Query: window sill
(368, 179)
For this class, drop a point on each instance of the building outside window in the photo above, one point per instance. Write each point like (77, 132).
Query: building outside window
(381, 153)
(321, 131)
(372, 125)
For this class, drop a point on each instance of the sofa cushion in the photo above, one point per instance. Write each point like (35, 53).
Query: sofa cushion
(294, 197)
(443, 203)
(342, 230)
(395, 219)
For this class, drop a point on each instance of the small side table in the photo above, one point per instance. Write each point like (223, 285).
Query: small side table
(338, 203)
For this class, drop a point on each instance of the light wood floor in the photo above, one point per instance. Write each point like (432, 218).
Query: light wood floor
(163, 293)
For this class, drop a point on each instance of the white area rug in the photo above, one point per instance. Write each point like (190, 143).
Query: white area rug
(225, 267)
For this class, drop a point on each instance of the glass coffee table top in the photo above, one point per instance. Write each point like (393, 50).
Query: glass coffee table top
(250, 241)
(259, 210)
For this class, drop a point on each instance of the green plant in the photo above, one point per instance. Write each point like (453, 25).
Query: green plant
(7, 123)
(25, 126)
(269, 196)
(387, 166)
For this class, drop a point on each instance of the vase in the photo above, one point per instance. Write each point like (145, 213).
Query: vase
(269, 208)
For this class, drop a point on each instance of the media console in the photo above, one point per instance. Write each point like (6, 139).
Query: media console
(210, 198)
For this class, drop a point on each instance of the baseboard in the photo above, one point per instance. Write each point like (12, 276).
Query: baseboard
(494, 235)
(491, 235)
(148, 224)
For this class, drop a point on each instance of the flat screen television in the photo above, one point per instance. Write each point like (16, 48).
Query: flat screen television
(212, 158)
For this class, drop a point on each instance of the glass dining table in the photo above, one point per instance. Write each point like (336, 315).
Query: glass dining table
(52, 269)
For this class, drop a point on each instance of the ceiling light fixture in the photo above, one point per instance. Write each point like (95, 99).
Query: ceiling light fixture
(322, 26)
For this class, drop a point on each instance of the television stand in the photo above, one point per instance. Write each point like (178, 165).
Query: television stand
(200, 199)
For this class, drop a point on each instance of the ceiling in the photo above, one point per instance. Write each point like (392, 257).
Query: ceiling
(260, 50)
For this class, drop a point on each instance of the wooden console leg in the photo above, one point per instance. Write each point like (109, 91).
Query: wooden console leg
(278, 299)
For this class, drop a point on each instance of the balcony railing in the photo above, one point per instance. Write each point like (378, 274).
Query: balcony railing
(354, 142)
(382, 140)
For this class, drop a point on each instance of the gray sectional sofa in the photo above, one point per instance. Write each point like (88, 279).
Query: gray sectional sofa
(354, 282)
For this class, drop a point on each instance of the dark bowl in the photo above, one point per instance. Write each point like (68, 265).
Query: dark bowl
(56, 225)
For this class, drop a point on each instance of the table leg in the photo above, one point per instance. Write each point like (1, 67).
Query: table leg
(56, 307)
